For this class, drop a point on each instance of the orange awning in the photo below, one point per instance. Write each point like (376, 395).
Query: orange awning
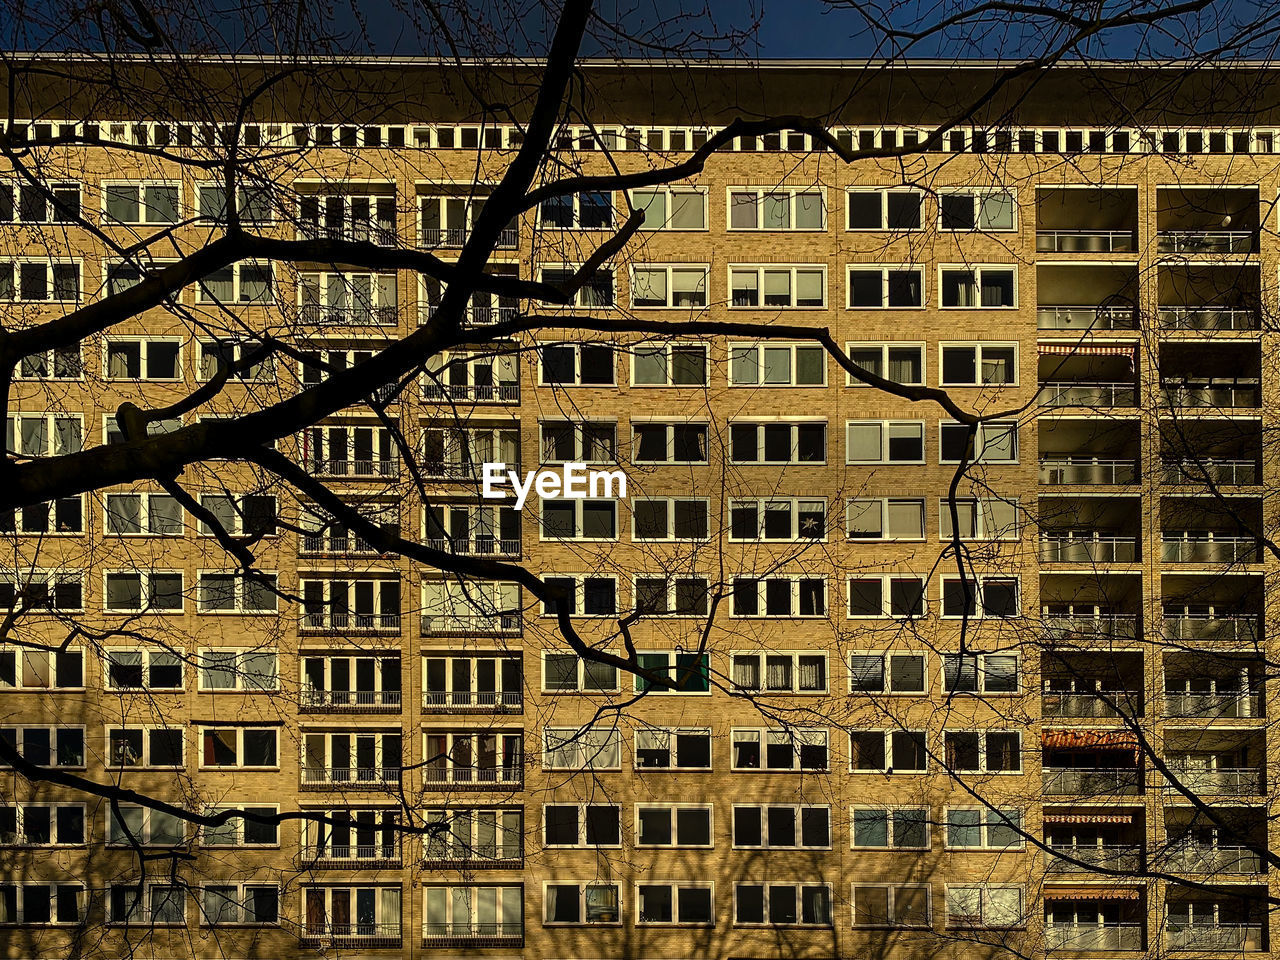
(1086, 349)
(1120, 818)
(1090, 740)
(1092, 893)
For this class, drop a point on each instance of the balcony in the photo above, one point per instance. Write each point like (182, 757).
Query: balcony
(1093, 856)
(1205, 241)
(478, 546)
(473, 778)
(1118, 626)
(1091, 781)
(1223, 781)
(312, 700)
(1224, 626)
(1208, 318)
(1085, 241)
(431, 238)
(1082, 318)
(351, 936)
(463, 469)
(472, 392)
(445, 853)
(1213, 706)
(1086, 219)
(1082, 936)
(350, 778)
(1220, 937)
(322, 467)
(1078, 394)
(474, 933)
(477, 701)
(1202, 858)
(333, 622)
(1223, 393)
(380, 232)
(1194, 546)
(372, 856)
(1220, 472)
(319, 543)
(1074, 471)
(477, 624)
(359, 315)
(1056, 548)
(1100, 705)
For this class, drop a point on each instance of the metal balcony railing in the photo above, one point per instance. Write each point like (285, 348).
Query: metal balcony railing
(347, 777)
(1102, 936)
(455, 930)
(441, 851)
(473, 392)
(1200, 858)
(1212, 706)
(463, 469)
(1091, 781)
(475, 315)
(469, 701)
(371, 622)
(456, 625)
(1219, 936)
(1072, 471)
(1232, 394)
(380, 232)
(349, 701)
(1101, 705)
(1078, 394)
(1232, 782)
(1126, 857)
(432, 237)
(434, 776)
(1219, 627)
(381, 934)
(341, 855)
(381, 467)
(366, 315)
(1206, 548)
(1205, 241)
(478, 546)
(1098, 549)
(1122, 626)
(1086, 317)
(1208, 318)
(321, 543)
(1086, 241)
(1228, 473)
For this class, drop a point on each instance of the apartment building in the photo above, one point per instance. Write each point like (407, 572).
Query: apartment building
(859, 749)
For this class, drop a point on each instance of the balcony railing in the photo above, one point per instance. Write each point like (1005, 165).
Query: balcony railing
(1072, 471)
(1199, 858)
(367, 778)
(1092, 855)
(469, 701)
(381, 467)
(320, 543)
(352, 856)
(367, 315)
(1085, 241)
(1232, 782)
(464, 856)
(472, 392)
(463, 469)
(381, 232)
(349, 701)
(438, 776)
(365, 622)
(352, 935)
(1120, 626)
(1221, 627)
(1091, 781)
(1196, 548)
(1086, 318)
(1227, 473)
(1064, 549)
(432, 237)
(1204, 241)
(1218, 937)
(478, 546)
(1101, 705)
(1208, 318)
(1213, 706)
(476, 932)
(1077, 394)
(1080, 936)
(458, 625)
(1230, 394)
(475, 315)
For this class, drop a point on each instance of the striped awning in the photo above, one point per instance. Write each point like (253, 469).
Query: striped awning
(1118, 818)
(1087, 349)
(1088, 740)
(1092, 893)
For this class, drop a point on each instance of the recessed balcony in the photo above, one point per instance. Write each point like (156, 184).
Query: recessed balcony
(1209, 685)
(1089, 626)
(1078, 451)
(1244, 627)
(1086, 297)
(1214, 762)
(1208, 318)
(1087, 547)
(1210, 859)
(1207, 546)
(1218, 471)
(1199, 220)
(1086, 220)
(1091, 686)
(1223, 393)
(1068, 471)
(1087, 858)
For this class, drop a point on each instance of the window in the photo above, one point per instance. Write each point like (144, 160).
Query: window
(41, 824)
(153, 591)
(782, 903)
(586, 596)
(41, 669)
(579, 519)
(485, 376)
(996, 441)
(239, 903)
(58, 363)
(885, 518)
(977, 210)
(884, 441)
(41, 903)
(889, 596)
(895, 673)
(148, 668)
(444, 220)
(899, 363)
(677, 286)
(782, 827)
(982, 828)
(142, 825)
(143, 360)
(43, 434)
(251, 515)
(65, 515)
(592, 748)
(684, 672)
(569, 673)
(581, 903)
(231, 747)
(671, 208)
(40, 281)
(119, 276)
(584, 441)
(468, 606)
(989, 751)
(349, 215)
(674, 596)
(778, 442)
(679, 749)
(673, 825)
(237, 593)
(802, 287)
(143, 747)
(688, 904)
(112, 434)
(884, 209)
(486, 911)
(584, 211)
(980, 673)
(41, 590)
(330, 912)
(340, 604)
(776, 364)
(773, 209)
(581, 825)
(251, 356)
(140, 203)
(891, 905)
(877, 288)
(779, 597)
(792, 749)
(797, 672)
(360, 449)
(984, 518)
(153, 514)
(248, 830)
(670, 518)
(978, 364)
(348, 297)
(597, 291)
(244, 282)
(250, 669)
(984, 905)
(46, 746)
(979, 287)
(576, 365)
(788, 520)
(254, 202)
(669, 442)
(888, 751)
(39, 202)
(980, 597)
(475, 834)
(890, 828)
(155, 904)
(669, 365)
(367, 758)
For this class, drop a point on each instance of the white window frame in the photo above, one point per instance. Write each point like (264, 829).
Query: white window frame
(13, 267)
(739, 349)
(982, 518)
(578, 303)
(51, 421)
(437, 380)
(794, 613)
(576, 738)
(144, 580)
(144, 762)
(792, 195)
(793, 426)
(981, 673)
(580, 594)
(670, 193)
(578, 365)
(576, 205)
(580, 445)
(239, 903)
(235, 662)
(988, 818)
(26, 662)
(671, 604)
(51, 529)
(667, 351)
(52, 211)
(798, 887)
(671, 524)
(144, 352)
(982, 733)
(51, 359)
(885, 347)
(977, 270)
(580, 682)
(884, 209)
(792, 269)
(886, 535)
(20, 838)
(578, 507)
(979, 197)
(144, 514)
(142, 906)
(984, 890)
(264, 371)
(240, 732)
(141, 186)
(675, 886)
(50, 578)
(232, 832)
(763, 656)
(20, 898)
(22, 729)
(886, 605)
(797, 811)
(671, 734)
(317, 309)
(980, 440)
(146, 653)
(885, 427)
(891, 828)
(581, 843)
(583, 916)
(884, 269)
(979, 583)
(978, 347)
(795, 736)
(242, 207)
(670, 270)
(205, 298)
(116, 836)
(672, 810)
(794, 506)
(889, 768)
(669, 427)
(155, 428)
(886, 656)
(237, 527)
(239, 599)
(891, 923)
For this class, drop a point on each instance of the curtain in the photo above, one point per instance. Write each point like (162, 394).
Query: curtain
(746, 673)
